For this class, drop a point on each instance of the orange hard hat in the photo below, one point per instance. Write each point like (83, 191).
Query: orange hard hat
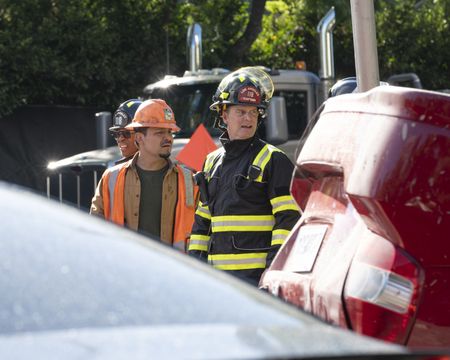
(154, 113)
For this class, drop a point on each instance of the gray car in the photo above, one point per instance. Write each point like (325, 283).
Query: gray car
(76, 287)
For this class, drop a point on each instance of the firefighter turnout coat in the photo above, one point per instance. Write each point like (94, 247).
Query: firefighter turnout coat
(249, 211)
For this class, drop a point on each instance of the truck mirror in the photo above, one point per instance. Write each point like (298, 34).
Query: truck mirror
(276, 121)
(406, 79)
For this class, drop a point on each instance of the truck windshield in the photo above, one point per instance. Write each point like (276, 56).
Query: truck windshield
(190, 104)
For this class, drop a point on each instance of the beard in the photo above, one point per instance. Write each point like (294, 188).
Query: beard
(165, 156)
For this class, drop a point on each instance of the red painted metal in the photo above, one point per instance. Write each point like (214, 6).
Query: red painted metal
(375, 169)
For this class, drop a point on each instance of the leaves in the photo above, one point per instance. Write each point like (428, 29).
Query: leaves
(100, 52)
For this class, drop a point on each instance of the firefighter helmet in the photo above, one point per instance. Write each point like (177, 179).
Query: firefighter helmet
(154, 113)
(124, 114)
(246, 86)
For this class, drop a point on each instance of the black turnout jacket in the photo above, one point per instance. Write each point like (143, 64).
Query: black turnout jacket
(249, 210)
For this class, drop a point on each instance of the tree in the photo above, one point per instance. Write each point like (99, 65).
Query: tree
(100, 52)
(240, 48)
(413, 37)
(80, 52)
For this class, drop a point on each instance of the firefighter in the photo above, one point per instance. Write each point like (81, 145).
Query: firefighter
(246, 210)
(124, 138)
(149, 193)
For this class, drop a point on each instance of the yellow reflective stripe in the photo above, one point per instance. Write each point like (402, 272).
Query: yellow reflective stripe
(258, 157)
(208, 164)
(238, 261)
(263, 158)
(203, 211)
(198, 242)
(279, 236)
(242, 223)
(210, 160)
(282, 203)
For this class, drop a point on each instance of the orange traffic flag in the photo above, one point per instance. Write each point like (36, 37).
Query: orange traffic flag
(194, 152)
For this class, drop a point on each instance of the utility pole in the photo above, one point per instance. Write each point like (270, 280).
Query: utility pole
(365, 44)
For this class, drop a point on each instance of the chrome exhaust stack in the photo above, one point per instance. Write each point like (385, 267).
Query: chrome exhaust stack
(194, 47)
(326, 71)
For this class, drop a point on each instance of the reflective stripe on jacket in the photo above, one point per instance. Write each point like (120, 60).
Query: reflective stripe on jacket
(250, 210)
(113, 194)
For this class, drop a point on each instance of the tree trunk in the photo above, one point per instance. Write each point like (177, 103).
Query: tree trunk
(238, 51)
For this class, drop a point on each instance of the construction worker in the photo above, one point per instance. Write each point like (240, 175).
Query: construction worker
(124, 138)
(246, 210)
(149, 193)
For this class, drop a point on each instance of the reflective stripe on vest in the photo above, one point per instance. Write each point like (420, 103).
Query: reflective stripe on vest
(282, 203)
(199, 242)
(112, 179)
(185, 209)
(242, 223)
(188, 186)
(279, 236)
(113, 206)
(238, 261)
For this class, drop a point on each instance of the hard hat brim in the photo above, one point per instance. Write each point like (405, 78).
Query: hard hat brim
(135, 125)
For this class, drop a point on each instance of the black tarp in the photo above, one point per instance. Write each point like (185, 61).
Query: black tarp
(34, 135)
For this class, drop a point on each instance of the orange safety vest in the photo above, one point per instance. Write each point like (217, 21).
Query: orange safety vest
(114, 209)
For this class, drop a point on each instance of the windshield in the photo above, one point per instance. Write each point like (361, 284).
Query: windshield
(190, 104)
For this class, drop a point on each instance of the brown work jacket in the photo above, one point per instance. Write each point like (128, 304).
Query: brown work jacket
(178, 200)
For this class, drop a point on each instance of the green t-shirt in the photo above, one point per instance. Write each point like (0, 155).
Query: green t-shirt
(151, 200)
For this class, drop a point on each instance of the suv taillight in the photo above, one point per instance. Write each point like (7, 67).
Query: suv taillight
(382, 290)
(300, 188)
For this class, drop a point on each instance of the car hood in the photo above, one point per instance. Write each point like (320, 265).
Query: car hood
(212, 341)
(74, 286)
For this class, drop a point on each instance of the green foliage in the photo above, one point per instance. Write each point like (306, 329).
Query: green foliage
(413, 37)
(279, 41)
(100, 52)
(290, 34)
(78, 52)
(222, 21)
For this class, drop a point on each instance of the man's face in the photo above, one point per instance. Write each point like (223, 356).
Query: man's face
(241, 121)
(157, 142)
(125, 142)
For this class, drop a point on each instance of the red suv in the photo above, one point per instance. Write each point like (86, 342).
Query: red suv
(372, 250)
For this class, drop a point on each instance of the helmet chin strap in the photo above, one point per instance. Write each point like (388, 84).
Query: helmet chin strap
(218, 123)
